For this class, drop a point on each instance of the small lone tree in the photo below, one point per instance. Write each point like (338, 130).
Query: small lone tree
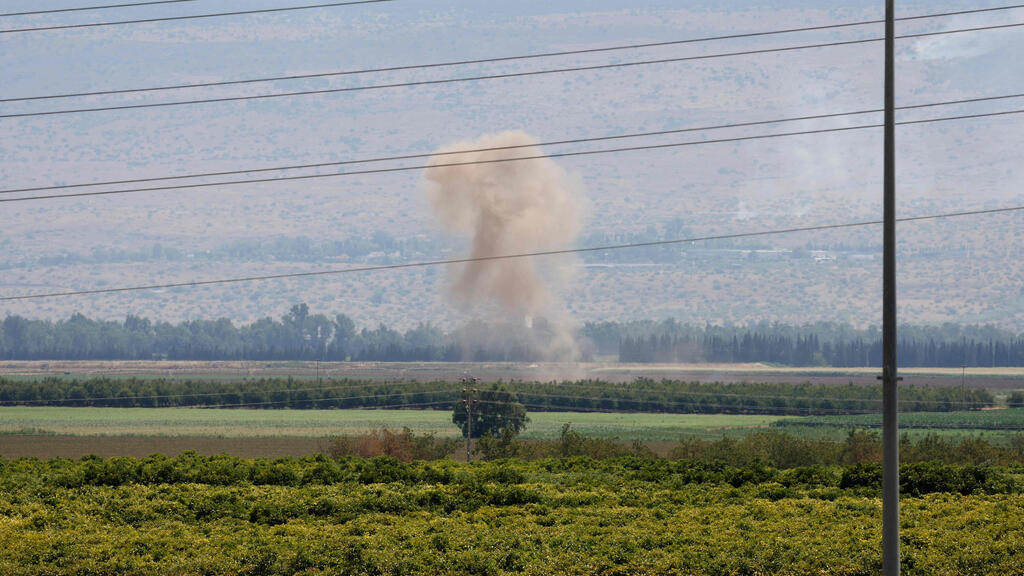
(496, 412)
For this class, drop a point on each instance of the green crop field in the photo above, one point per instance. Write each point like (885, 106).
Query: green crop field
(325, 423)
(974, 419)
(226, 423)
(998, 425)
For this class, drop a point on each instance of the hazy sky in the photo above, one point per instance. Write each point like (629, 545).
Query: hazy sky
(715, 188)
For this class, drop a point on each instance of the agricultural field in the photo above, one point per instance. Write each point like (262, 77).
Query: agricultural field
(74, 432)
(225, 423)
(618, 517)
(994, 425)
(999, 378)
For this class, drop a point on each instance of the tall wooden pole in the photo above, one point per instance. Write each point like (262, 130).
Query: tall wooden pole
(469, 423)
(890, 379)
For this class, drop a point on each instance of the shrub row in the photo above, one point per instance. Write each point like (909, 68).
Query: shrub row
(191, 468)
(642, 395)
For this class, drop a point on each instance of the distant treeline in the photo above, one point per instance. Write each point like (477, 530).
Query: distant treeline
(818, 344)
(808, 350)
(301, 335)
(642, 395)
(298, 335)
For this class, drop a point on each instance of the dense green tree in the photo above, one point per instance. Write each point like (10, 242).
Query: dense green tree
(495, 412)
(1016, 400)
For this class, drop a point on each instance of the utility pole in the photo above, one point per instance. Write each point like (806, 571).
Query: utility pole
(890, 379)
(318, 341)
(963, 388)
(469, 401)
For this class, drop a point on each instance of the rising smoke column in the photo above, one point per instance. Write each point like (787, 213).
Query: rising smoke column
(506, 208)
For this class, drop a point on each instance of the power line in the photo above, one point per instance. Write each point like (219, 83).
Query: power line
(207, 394)
(637, 401)
(499, 148)
(490, 76)
(604, 387)
(743, 410)
(508, 256)
(70, 403)
(740, 410)
(496, 59)
(696, 403)
(910, 425)
(130, 5)
(503, 160)
(173, 18)
(310, 400)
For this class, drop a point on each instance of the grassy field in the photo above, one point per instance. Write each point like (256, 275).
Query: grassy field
(1007, 419)
(73, 432)
(326, 423)
(224, 423)
(995, 425)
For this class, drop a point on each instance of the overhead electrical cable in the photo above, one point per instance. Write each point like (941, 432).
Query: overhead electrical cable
(431, 263)
(762, 410)
(548, 407)
(311, 400)
(191, 17)
(386, 406)
(610, 388)
(193, 394)
(914, 425)
(758, 410)
(504, 160)
(500, 148)
(495, 59)
(84, 8)
(767, 412)
(507, 75)
(667, 402)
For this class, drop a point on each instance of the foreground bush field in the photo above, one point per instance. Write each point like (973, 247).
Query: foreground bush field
(619, 516)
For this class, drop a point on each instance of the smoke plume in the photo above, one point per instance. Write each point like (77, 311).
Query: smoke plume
(507, 208)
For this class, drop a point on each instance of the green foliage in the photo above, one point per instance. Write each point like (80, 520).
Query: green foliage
(829, 344)
(303, 335)
(404, 445)
(862, 476)
(627, 515)
(1015, 400)
(929, 477)
(495, 412)
(641, 395)
(923, 420)
(570, 443)
(504, 445)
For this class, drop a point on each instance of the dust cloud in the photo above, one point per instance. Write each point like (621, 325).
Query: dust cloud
(509, 208)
